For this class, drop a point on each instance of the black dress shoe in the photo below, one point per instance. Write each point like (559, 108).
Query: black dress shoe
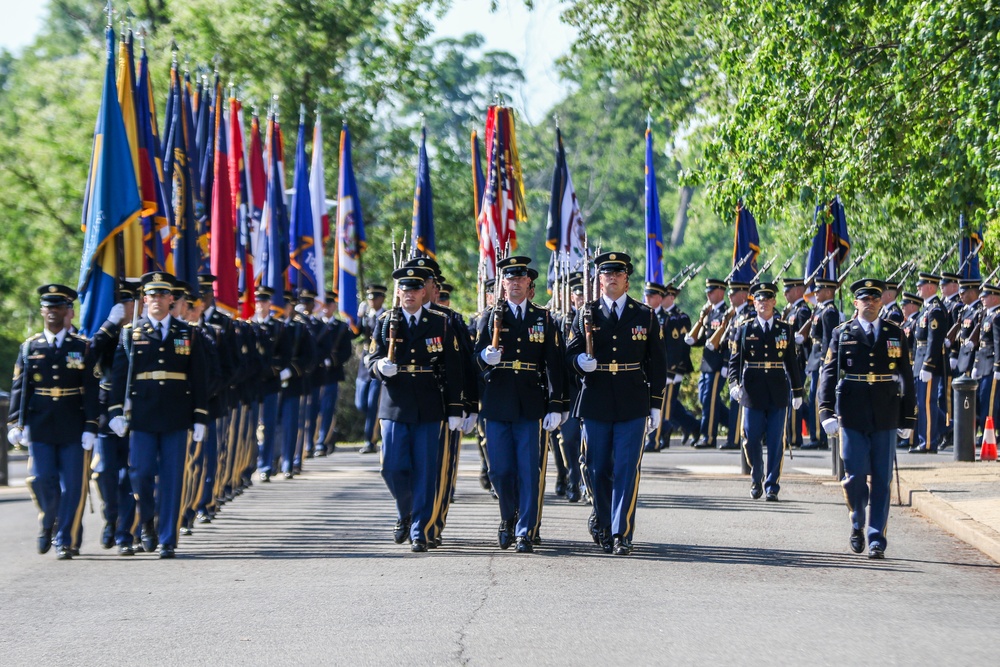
(368, 448)
(108, 536)
(537, 539)
(755, 491)
(702, 443)
(287, 475)
(74, 551)
(772, 496)
(857, 540)
(622, 547)
(149, 539)
(876, 552)
(45, 541)
(573, 493)
(923, 449)
(264, 477)
(167, 552)
(320, 450)
(505, 534)
(607, 544)
(484, 480)
(814, 445)
(592, 527)
(650, 448)
(401, 531)
(524, 546)
(437, 542)
(418, 546)
(186, 530)
(729, 445)
(64, 553)
(125, 550)
(560, 487)
(202, 517)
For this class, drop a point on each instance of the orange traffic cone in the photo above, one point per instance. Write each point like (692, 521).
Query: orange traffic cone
(988, 451)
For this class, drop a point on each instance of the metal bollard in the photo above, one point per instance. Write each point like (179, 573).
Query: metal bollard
(4, 409)
(964, 405)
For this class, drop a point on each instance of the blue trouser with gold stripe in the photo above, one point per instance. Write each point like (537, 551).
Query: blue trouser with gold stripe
(156, 465)
(930, 417)
(210, 461)
(713, 408)
(115, 486)
(569, 443)
(269, 422)
(410, 457)
(289, 431)
(513, 452)
(366, 400)
(761, 425)
(868, 453)
(988, 400)
(327, 412)
(56, 477)
(614, 454)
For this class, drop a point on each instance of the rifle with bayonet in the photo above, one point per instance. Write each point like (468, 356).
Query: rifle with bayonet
(944, 258)
(394, 314)
(720, 334)
(784, 267)
(586, 315)
(684, 281)
(767, 265)
(969, 257)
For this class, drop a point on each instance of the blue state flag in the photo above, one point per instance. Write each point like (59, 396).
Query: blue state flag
(423, 204)
(274, 222)
(302, 242)
(111, 202)
(179, 189)
(654, 229)
(350, 235)
(831, 237)
(745, 240)
(968, 257)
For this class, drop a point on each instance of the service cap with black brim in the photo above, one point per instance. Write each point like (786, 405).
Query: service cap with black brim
(671, 290)
(925, 278)
(423, 263)
(912, 299)
(714, 283)
(206, 279)
(532, 274)
(263, 293)
(306, 295)
(180, 289)
(867, 287)
(654, 288)
(55, 295)
(373, 290)
(968, 283)
(410, 278)
(738, 286)
(949, 277)
(156, 281)
(613, 262)
(127, 290)
(990, 288)
(513, 267)
(790, 283)
(892, 285)
(764, 290)
(826, 283)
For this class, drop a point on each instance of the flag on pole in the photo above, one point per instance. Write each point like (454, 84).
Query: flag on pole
(970, 240)
(478, 180)
(241, 207)
(831, 237)
(745, 239)
(423, 205)
(222, 256)
(179, 186)
(301, 246)
(156, 230)
(256, 196)
(132, 236)
(350, 235)
(654, 229)
(111, 203)
(317, 194)
(274, 221)
(565, 231)
(503, 198)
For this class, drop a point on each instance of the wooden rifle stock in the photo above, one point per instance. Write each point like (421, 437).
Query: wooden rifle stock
(393, 328)
(720, 334)
(806, 328)
(696, 330)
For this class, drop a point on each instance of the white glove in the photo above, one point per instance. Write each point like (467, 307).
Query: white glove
(563, 416)
(285, 374)
(490, 355)
(830, 425)
(117, 313)
(88, 440)
(904, 433)
(996, 376)
(975, 373)
(454, 423)
(947, 342)
(678, 378)
(300, 308)
(925, 376)
(551, 421)
(199, 433)
(724, 371)
(15, 436)
(119, 426)
(386, 367)
(586, 363)
(953, 362)
(735, 393)
(799, 339)
(654, 416)
(327, 362)
(689, 340)
(796, 403)
(469, 423)
(709, 346)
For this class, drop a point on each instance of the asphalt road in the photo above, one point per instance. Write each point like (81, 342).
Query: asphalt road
(305, 571)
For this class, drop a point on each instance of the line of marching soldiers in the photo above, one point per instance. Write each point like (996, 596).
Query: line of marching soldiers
(173, 408)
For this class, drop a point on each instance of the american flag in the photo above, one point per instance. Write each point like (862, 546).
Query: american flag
(503, 198)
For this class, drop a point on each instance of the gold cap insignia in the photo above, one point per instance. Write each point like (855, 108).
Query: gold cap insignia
(868, 283)
(52, 288)
(157, 277)
(611, 256)
(410, 272)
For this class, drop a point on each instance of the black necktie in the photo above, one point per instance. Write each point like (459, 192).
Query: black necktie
(614, 312)
(871, 336)
(413, 322)
(517, 314)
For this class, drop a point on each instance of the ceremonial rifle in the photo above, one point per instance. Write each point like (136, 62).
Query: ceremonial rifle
(944, 258)
(394, 313)
(767, 265)
(497, 295)
(587, 316)
(784, 267)
(127, 401)
(968, 257)
(690, 276)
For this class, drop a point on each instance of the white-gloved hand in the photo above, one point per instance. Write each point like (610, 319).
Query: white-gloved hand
(925, 376)
(953, 362)
(551, 421)
(285, 374)
(386, 367)
(831, 425)
(735, 392)
(15, 436)
(454, 423)
(88, 440)
(328, 362)
(796, 403)
(586, 363)
(118, 426)
(709, 346)
(724, 371)
(563, 417)
(469, 423)
(117, 313)
(300, 308)
(491, 355)
(199, 433)
(654, 416)
(689, 340)
(678, 378)
(904, 433)
(799, 339)
(975, 373)
(947, 342)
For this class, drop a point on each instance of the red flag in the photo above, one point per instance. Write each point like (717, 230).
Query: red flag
(223, 221)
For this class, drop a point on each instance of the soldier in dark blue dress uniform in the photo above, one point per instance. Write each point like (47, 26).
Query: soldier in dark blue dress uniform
(54, 411)
(524, 382)
(569, 432)
(167, 390)
(623, 383)
(763, 373)
(294, 386)
(825, 319)
(929, 364)
(890, 308)
(420, 370)
(675, 325)
(985, 368)
(367, 386)
(962, 355)
(797, 313)
(275, 350)
(713, 408)
(866, 389)
(335, 334)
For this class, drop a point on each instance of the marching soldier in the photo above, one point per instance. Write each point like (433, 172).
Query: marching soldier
(417, 359)
(929, 364)
(444, 295)
(294, 386)
(890, 309)
(962, 355)
(368, 387)
(910, 305)
(713, 362)
(763, 372)
(335, 334)
(569, 431)
(275, 351)
(623, 382)
(160, 367)
(825, 319)
(797, 313)
(986, 369)
(866, 390)
(739, 293)
(54, 411)
(675, 325)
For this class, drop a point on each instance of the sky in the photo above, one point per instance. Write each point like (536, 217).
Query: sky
(536, 38)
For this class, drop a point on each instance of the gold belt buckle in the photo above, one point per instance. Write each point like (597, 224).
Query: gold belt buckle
(613, 368)
(517, 365)
(871, 378)
(159, 375)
